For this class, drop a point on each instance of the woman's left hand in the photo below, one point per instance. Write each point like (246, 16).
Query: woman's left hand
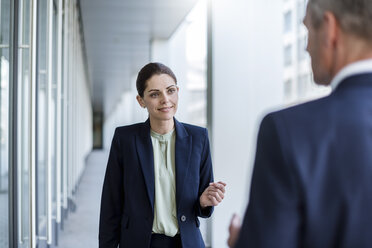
(213, 194)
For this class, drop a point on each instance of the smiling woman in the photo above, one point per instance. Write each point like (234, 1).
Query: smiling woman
(158, 92)
(144, 199)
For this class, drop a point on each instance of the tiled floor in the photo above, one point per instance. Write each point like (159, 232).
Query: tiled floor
(81, 227)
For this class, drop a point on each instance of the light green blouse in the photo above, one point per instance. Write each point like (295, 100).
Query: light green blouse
(165, 212)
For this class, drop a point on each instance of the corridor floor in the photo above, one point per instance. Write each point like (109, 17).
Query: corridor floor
(81, 226)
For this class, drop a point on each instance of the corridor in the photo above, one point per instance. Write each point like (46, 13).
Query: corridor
(68, 72)
(81, 226)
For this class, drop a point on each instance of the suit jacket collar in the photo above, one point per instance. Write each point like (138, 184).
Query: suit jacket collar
(145, 129)
(358, 67)
(363, 80)
(183, 153)
(146, 157)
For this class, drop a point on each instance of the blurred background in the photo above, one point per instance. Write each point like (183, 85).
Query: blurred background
(68, 71)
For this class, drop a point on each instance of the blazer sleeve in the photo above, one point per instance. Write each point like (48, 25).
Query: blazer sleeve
(206, 176)
(272, 217)
(112, 198)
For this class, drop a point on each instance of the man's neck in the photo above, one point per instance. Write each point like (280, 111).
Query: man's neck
(353, 50)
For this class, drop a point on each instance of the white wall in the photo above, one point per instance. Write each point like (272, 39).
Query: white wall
(126, 112)
(84, 115)
(247, 83)
(81, 110)
(160, 51)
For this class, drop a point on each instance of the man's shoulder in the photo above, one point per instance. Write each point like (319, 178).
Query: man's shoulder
(306, 109)
(304, 116)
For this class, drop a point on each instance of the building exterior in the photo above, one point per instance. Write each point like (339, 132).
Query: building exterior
(298, 79)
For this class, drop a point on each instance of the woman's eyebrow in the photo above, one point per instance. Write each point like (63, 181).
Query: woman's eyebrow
(153, 90)
(159, 90)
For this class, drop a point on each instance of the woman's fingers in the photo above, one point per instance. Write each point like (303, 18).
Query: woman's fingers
(220, 185)
(220, 182)
(215, 197)
(212, 189)
(214, 193)
(213, 200)
(218, 192)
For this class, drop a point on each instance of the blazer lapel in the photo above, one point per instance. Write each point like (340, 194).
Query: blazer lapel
(146, 158)
(182, 157)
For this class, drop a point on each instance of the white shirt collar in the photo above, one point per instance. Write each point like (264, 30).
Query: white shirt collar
(359, 67)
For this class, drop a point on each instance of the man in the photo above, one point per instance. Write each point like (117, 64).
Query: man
(312, 178)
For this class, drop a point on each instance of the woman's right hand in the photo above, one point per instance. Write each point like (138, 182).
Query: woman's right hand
(213, 194)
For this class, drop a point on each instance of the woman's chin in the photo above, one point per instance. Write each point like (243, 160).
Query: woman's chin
(164, 116)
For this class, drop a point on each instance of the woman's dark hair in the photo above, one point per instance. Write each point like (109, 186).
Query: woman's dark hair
(150, 70)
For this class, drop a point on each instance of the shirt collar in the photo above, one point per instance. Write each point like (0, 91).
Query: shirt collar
(359, 67)
(162, 137)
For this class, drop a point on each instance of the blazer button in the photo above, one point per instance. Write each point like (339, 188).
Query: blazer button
(183, 218)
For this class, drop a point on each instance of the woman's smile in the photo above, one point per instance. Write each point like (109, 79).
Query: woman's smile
(165, 109)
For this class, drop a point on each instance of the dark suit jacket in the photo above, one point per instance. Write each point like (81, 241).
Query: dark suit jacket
(127, 205)
(312, 177)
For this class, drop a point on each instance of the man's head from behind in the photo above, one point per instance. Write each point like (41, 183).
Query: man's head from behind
(340, 32)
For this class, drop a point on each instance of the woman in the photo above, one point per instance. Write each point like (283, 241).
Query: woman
(159, 174)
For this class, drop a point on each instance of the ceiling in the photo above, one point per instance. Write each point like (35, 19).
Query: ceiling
(117, 36)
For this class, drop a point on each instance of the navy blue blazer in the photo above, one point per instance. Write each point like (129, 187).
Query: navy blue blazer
(127, 204)
(312, 177)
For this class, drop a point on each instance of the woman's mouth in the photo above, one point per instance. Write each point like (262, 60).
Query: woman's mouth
(165, 109)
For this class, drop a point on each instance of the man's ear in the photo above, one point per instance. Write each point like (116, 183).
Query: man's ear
(331, 29)
(140, 101)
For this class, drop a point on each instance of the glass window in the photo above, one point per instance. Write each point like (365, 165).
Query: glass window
(301, 10)
(302, 88)
(196, 59)
(42, 117)
(288, 55)
(4, 121)
(54, 111)
(288, 22)
(288, 89)
(23, 124)
(45, 116)
(302, 48)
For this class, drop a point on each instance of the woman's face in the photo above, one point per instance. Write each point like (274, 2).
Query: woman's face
(160, 97)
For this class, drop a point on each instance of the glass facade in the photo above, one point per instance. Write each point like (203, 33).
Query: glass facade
(296, 61)
(24, 124)
(47, 35)
(4, 120)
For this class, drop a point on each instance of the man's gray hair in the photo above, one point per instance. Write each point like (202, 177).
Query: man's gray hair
(354, 16)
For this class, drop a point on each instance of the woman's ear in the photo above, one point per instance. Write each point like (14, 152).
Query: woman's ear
(140, 101)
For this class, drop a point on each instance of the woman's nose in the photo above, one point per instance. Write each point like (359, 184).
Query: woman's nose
(165, 98)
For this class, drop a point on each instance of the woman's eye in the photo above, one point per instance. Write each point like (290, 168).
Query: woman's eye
(171, 90)
(153, 95)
